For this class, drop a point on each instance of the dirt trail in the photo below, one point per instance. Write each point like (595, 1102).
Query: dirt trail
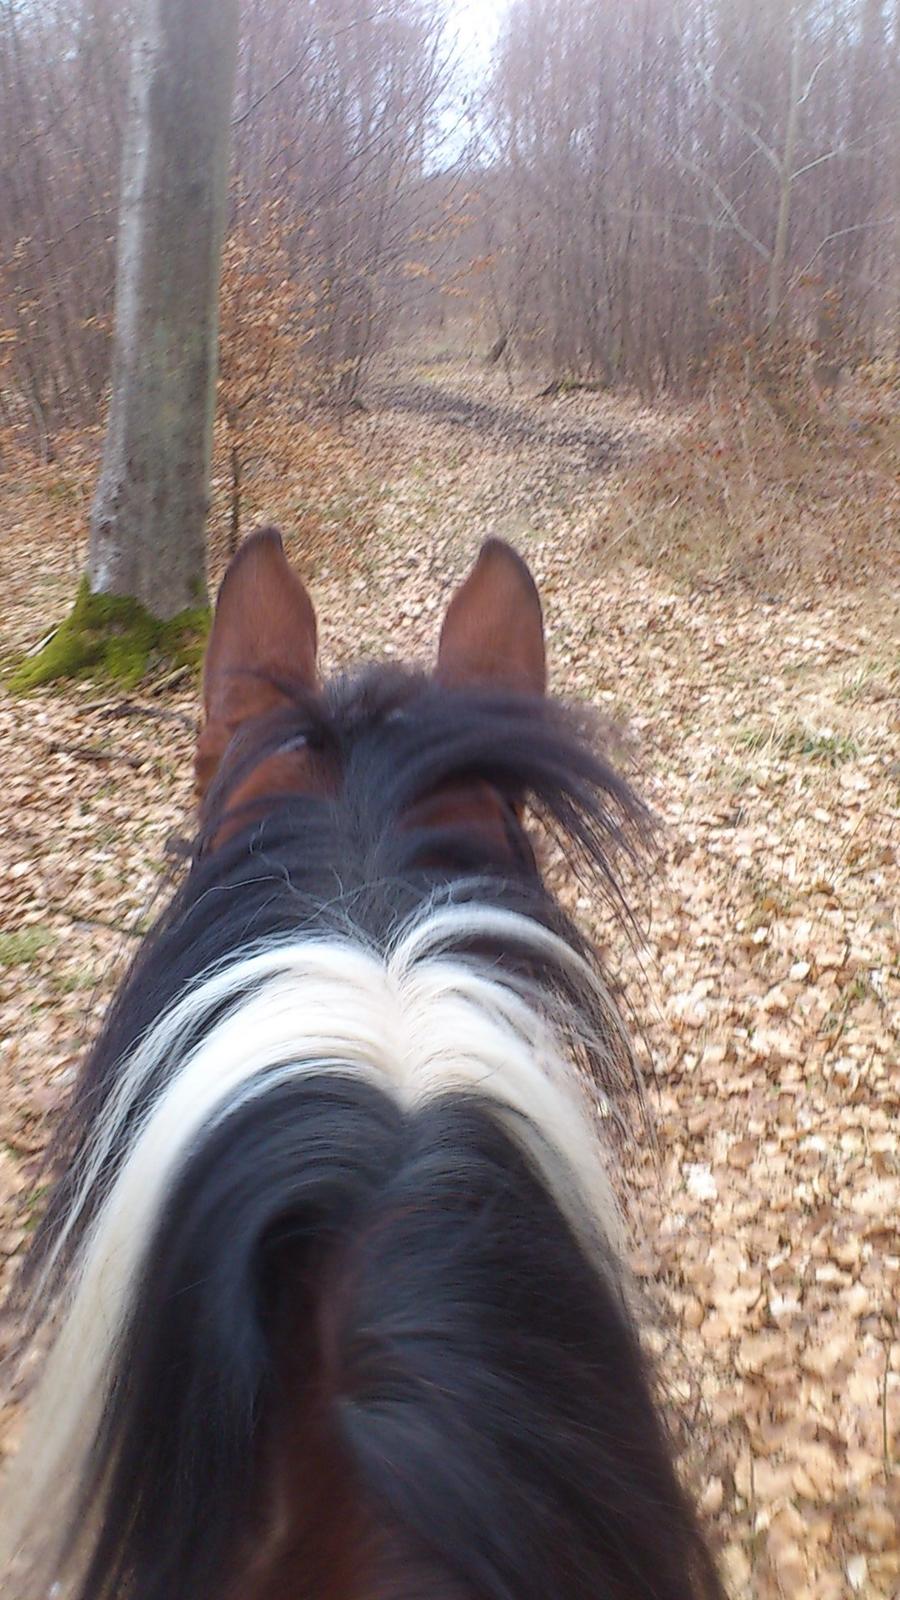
(767, 994)
(592, 444)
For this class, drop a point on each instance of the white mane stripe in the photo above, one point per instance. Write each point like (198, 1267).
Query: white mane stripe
(423, 1021)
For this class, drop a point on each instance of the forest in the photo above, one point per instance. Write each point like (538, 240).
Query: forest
(617, 281)
(692, 203)
(629, 190)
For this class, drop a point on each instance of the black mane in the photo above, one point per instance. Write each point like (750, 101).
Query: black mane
(400, 1278)
(347, 865)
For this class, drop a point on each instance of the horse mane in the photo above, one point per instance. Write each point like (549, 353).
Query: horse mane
(333, 1254)
(353, 863)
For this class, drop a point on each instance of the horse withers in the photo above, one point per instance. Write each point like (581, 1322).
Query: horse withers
(331, 1277)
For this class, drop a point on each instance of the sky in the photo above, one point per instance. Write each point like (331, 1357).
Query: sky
(475, 24)
(471, 35)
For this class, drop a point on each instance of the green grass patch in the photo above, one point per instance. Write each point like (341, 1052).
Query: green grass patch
(831, 749)
(20, 949)
(753, 739)
(34, 1206)
(115, 639)
(874, 680)
(74, 982)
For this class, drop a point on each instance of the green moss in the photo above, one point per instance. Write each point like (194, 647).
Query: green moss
(106, 636)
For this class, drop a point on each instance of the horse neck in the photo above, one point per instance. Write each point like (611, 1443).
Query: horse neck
(319, 1535)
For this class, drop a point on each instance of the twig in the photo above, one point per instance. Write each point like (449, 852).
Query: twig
(885, 1437)
(133, 708)
(88, 752)
(171, 678)
(111, 927)
(37, 648)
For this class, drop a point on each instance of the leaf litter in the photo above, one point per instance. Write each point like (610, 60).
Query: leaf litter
(765, 993)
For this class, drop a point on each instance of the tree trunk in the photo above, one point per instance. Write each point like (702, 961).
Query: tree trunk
(149, 515)
(778, 263)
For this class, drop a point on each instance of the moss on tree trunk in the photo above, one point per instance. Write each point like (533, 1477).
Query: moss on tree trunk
(113, 639)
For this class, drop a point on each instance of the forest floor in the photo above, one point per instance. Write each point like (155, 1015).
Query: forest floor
(765, 995)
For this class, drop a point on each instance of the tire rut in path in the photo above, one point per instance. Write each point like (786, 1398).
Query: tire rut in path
(597, 446)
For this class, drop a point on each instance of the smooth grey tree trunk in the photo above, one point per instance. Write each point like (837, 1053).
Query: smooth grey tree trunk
(148, 525)
(778, 261)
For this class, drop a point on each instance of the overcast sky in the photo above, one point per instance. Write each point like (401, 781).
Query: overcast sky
(475, 25)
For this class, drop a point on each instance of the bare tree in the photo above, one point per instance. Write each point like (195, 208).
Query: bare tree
(654, 178)
(668, 172)
(335, 116)
(337, 107)
(62, 90)
(148, 522)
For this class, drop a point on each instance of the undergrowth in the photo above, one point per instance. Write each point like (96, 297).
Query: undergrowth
(769, 477)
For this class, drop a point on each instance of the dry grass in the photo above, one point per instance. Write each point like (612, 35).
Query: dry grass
(765, 490)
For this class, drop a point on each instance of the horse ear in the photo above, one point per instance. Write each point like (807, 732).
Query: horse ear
(493, 632)
(262, 647)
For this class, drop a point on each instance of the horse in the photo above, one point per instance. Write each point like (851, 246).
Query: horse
(330, 1289)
